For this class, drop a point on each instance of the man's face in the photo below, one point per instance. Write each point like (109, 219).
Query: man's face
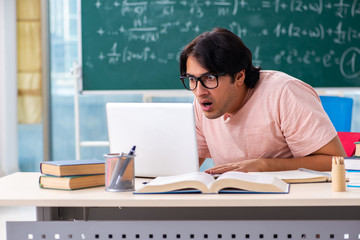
(226, 98)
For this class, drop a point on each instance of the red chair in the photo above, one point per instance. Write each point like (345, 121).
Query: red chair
(348, 139)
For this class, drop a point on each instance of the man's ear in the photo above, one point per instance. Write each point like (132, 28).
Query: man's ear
(240, 77)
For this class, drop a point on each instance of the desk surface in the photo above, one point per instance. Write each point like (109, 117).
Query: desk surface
(22, 189)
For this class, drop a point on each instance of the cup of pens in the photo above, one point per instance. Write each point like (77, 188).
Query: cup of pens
(119, 171)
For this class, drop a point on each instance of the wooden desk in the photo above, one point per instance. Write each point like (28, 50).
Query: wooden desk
(305, 202)
(22, 189)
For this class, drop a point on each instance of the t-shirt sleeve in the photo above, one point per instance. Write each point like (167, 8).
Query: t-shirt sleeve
(304, 123)
(203, 149)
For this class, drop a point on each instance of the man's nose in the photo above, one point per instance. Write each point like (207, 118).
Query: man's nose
(200, 90)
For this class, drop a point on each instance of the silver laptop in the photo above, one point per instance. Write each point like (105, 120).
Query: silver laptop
(164, 135)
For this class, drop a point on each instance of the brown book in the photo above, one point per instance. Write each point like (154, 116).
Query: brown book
(72, 167)
(357, 149)
(229, 182)
(71, 182)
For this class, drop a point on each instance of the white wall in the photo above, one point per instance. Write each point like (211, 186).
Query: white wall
(8, 89)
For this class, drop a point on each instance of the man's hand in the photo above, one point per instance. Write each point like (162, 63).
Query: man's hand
(252, 165)
(319, 160)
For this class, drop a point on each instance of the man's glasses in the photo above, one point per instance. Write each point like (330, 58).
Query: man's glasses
(209, 81)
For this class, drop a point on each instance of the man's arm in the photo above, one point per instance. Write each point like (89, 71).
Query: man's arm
(201, 161)
(319, 160)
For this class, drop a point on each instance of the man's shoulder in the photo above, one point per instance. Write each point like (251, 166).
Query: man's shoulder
(278, 80)
(276, 75)
(273, 81)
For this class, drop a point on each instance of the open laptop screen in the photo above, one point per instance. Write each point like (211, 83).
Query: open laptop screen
(164, 135)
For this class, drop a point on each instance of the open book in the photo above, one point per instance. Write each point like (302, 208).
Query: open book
(229, 182)
(301, 175)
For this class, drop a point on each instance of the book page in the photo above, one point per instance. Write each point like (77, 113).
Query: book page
(205, 178)
(352, 163)
(171, 184)
(250, 182)
(255, 177)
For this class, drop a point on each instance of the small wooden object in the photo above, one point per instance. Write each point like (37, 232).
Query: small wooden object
(338, 174)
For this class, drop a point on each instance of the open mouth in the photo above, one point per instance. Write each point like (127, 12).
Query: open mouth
(206, 106)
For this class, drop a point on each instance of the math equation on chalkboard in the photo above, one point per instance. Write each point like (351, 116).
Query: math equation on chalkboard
(135, 44)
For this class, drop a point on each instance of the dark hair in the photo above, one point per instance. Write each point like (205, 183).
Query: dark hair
(221, 51)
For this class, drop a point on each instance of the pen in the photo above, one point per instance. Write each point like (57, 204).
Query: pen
(132, 151)
(124, 165)
(115, 171)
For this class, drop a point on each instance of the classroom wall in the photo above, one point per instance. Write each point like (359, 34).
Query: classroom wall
(93, 124)
(8, 106)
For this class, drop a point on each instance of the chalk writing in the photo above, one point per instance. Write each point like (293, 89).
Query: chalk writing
(349, 63)
(281, 33)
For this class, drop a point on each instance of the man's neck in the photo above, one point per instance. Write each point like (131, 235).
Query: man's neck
(243, 96)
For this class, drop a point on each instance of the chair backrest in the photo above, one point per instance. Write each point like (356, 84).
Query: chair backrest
(339, 110)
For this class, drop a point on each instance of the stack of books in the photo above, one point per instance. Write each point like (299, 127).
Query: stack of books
(352, 167)
(72, 174)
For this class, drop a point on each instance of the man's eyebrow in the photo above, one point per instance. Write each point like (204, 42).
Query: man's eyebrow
(188, 74)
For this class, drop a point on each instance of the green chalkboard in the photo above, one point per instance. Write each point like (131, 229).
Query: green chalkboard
(135, 45)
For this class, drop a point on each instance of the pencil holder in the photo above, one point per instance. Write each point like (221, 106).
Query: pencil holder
(338, 174)
(119, 172)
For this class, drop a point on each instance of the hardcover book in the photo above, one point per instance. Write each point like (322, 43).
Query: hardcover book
(71, 182)
(357, 149)
(354, 178)
(72, 167)
(352, 163)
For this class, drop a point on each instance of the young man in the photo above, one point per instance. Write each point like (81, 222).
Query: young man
(252, 120)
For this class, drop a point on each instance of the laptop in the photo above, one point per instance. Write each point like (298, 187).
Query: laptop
(164, 135)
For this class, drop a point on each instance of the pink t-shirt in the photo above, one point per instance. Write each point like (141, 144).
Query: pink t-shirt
(282, 117)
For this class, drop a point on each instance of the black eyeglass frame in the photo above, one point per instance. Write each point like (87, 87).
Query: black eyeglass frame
(198, 79)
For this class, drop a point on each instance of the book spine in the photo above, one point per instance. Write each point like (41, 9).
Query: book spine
(41, 171)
